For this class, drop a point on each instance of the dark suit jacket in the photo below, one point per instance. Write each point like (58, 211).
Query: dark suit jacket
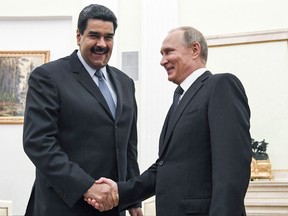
(72, 138)
(204, 154)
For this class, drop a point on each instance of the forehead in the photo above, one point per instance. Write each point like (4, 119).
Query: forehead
(173, 39)
(97, 25)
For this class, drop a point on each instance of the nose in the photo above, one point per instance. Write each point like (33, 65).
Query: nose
(101, 42)
(163, 61)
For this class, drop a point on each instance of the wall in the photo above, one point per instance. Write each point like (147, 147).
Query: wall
(257, 65)
(30, 25)
(267, 94)
(262, 67)
(41, 25)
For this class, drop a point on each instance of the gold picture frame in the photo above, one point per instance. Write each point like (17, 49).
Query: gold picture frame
(15, 69)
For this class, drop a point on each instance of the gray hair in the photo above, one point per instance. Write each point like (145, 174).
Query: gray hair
(192, 35)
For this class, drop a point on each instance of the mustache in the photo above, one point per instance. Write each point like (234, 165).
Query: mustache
(97, 49)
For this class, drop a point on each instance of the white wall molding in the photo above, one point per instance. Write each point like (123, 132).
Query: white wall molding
(248, 38)
(34, 18)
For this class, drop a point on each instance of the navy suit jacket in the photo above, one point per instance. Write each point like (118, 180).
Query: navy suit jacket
(73, 139)
(204, 154)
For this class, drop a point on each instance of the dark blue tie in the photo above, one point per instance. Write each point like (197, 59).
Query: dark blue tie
(105, 91)
(177, 94)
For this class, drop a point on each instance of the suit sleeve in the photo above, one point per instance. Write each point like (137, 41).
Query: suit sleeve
(229, 115)
(40, 142)
(137, 189)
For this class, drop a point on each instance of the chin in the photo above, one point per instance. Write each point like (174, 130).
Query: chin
(98, 64)
(170, 79)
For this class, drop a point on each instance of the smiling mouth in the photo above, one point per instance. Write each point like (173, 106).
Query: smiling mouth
(100, 51)
(169, 70)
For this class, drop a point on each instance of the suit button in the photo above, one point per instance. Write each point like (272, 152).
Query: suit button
(161, 163)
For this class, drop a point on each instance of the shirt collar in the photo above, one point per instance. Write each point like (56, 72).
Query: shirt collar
(90, 70)
(191, 78)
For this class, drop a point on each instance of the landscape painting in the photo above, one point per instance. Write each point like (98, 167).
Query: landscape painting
(15, 69)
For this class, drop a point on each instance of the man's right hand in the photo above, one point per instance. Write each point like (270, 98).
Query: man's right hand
(103, 194)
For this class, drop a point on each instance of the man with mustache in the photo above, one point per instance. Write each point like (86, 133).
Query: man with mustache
(80, 124)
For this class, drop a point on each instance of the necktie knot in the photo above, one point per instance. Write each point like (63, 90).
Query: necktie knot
(177, 94)
(99, 74)
(179, 90)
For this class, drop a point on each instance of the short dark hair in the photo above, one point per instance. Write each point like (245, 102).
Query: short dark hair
(95, 11)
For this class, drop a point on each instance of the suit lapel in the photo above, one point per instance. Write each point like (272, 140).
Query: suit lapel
(87, 82)
(164, 129)
(171, 121)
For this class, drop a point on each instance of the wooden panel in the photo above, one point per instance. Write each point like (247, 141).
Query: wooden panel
(5, 208)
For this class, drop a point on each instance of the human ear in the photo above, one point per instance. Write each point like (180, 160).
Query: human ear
(196, 49)
(78, 36)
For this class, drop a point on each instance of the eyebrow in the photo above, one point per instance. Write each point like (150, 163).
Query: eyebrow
(166, 49)
(98, 33)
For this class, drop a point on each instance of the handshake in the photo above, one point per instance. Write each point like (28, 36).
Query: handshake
(103, 194)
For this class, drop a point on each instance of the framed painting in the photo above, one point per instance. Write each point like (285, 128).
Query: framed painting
(15, 69)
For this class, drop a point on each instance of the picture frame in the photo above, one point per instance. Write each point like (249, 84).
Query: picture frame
(15, 69)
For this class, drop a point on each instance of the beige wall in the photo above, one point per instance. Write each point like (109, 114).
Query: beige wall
(30, 25)
(262, 67)
(14, 8)
(234, 16)
(142, 27)
(264, 75)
